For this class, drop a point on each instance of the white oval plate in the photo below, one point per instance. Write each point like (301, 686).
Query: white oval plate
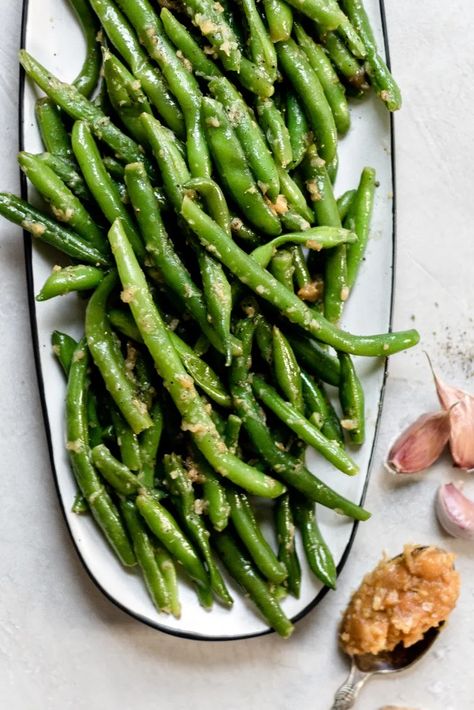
(51, 34)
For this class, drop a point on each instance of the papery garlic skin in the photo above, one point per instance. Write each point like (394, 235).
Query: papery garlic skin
(460, 405)
(455, 512)
(420, 445)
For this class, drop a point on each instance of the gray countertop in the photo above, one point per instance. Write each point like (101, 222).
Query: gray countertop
(62, 644)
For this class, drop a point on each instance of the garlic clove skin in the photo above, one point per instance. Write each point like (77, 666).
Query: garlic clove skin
(448, 396)
(461, 438)
(455, 512)
(420, 445)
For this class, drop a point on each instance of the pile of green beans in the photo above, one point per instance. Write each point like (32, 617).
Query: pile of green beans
(193, 202)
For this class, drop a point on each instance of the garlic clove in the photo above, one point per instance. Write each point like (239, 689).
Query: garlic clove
(420, 445)
(455, 512)
(447, 395)
(461, 438)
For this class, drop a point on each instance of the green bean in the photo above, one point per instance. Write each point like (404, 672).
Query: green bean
(298, 128)
(327, 12)
(380, 76)
(303, 428)
(123, 38)
(79, 108)
(250, 136)
(96, 432)
(88, 78)
(127, 441)
(52, 129)
(249, 532)
(264, 338)
(232, 432)
(65, 206)
(319, 557)
(145, 554)
(265, 285)
(294, 222)
(115, 169)
(103, 510)
(149, 445)
(164, 526)
(49, 231)
(359, 215)
(291, 191)
(214, 492)
(161, 249)
(126, 97)
(233, 170)
(326, 211)
(66, 170)
(344, 61)
(286, 370)
(63, 348)
(286, 544)
(316, 359)
(288, 468)
(332, 87)
(244, 232)
(276, 132)
(332, 168)
(187, 45)
(344, 203)
(177, 381)
(279, 18)
(246, 575)
(214, 198)
(320, 410)
(182, 490)
(281, 267)
(351, 396)
(70, 278)
(302, 275)
(100, 183)
(116, 473)
(260, 45)
(168, 571)
(307, 86)
(218, 298)
(79, 506)
(214, 27)
(106, 354)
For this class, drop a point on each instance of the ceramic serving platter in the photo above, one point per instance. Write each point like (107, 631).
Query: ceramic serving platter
(51, 34)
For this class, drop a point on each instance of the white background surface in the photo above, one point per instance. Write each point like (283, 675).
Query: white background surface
(62, 645)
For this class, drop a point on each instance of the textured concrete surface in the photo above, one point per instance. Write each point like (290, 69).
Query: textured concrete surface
(62, 645)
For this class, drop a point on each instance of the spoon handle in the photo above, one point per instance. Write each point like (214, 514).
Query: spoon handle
(347, 694)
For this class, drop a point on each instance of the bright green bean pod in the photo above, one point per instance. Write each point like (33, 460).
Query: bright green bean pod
(319, 409)
(380, 76)
(70, 278)
(298, 128)
(332, 87)
(63, 348)
(117, 474)
(303, 428)
(319, 557)
(316, 359)
(106, 354)
(177, 381)
(232, 432)
(316, 238)
(279, 18)
(264, 338)
(273, 125)
(359, 216)
(66, 170)
(286, 370)
(127, 441)
(45, 229)
(145, 554)
(79, 506)
(287, 467)
(66, 207)
(88, 78)
(164, 526)
(149, 445)
(260, 45)
(53, 132)
(214, 27)
(103, 510)
(233, 170)
(123, 38)
(351, 396)
(79, 108)
(168, 571)
(101, 185)
(250, 135)
(249, 532)
(344, 203)
(242, 231)
(265, 285)
(307, 86)
(182, 490)
(214, 493)
(218, 298)
(332, 169)
(214, 198)
(296, 200)
(285, 529)
(302, 275)
(281, 267)
(243, 571)
(344, 61)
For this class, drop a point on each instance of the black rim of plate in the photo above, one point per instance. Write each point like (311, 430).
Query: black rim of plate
(34, 332)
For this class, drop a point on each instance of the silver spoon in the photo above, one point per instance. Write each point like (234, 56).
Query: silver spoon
(366, 665)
